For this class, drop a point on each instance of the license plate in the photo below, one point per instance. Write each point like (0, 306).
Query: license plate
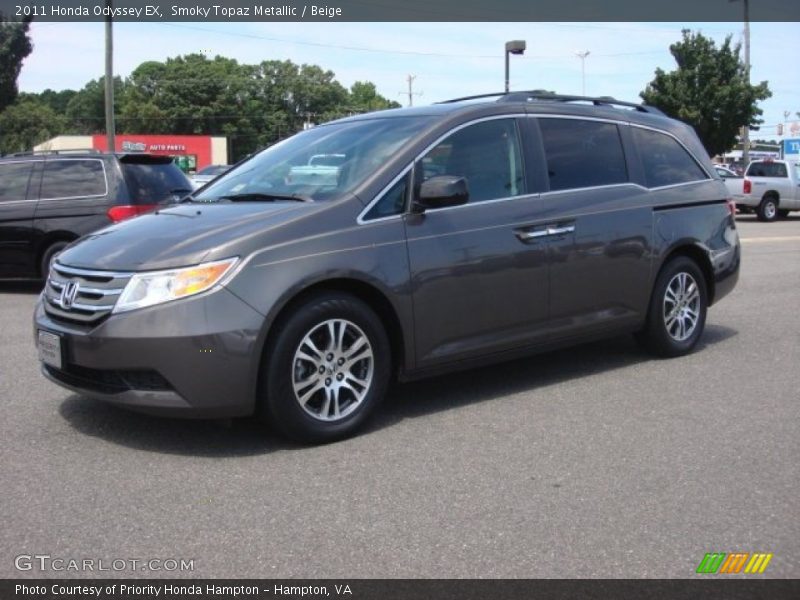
(50, 348)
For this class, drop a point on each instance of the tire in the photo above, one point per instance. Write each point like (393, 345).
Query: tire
(783, 213)
(768, 209)
(48, 256)
(325, 370)
(665, 334)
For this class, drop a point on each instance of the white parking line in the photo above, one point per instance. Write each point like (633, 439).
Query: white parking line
(758, 240)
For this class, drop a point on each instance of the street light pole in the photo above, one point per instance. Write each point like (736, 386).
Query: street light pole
(582, 55)
(513, 47)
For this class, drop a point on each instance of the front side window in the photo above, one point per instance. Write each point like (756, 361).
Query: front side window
(73, 178)
(486, 154)
(665, 161)
(321, 163)
(14, 180)
(582, 154)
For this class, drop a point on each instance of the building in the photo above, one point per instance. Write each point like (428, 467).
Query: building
(191, 152)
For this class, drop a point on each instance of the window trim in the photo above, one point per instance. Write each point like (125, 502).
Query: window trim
(535, 115)
(44, 170)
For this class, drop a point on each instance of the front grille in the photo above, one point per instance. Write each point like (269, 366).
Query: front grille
(107, 381)
(90, 295)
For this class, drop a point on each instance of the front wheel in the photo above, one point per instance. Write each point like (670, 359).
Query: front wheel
(326, 369)
(677, 312)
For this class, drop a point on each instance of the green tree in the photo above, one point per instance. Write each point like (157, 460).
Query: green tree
(364, 97)
(85, 110)
(15, 45)
(709, 91)
(28, 122)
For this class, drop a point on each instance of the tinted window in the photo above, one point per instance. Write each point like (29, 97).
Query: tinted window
(665, 161)
(392, 203)
(154, 182)
(582, 153)
(486, 154)
(73, 178)
(14, 180)
(767, 169)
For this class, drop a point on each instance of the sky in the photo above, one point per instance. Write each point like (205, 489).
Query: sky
(448, 59)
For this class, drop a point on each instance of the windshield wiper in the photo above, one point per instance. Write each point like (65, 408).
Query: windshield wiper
(184, 196)
(262, 197)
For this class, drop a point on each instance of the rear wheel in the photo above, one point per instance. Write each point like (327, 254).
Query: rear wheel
(326, 369)
(677, 312)
(768, 209)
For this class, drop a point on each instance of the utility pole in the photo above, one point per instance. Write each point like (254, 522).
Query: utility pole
(582, 55)
(411, 93)
(109, 87)
(746, 131)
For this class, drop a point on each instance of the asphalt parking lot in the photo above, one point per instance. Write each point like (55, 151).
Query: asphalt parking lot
(595, 461)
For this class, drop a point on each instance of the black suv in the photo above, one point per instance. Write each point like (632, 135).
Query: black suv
(399, 243)
(50, 199)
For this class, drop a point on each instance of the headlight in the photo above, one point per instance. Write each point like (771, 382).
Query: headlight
(155, 287)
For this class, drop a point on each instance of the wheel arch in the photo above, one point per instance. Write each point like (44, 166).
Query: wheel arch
(700, 256)
(368, 293)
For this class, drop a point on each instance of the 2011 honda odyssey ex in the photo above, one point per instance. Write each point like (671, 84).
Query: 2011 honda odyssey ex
(399, 243)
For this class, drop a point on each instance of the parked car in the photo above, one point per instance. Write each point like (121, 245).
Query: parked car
(206, 174)
(454, 235)
(732, 181)
(771, 188)
(48, 200)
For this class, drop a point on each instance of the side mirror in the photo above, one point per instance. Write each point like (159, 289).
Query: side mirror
(440, 192)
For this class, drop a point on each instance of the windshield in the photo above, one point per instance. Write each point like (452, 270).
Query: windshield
(320, 163)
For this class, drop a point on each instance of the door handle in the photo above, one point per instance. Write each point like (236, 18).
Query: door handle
(527, 235)
(532, 235)
(560, 230)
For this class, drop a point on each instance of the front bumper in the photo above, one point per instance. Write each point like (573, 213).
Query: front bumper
(196, 357)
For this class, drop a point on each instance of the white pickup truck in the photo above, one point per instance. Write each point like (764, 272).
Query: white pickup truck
(771, 188)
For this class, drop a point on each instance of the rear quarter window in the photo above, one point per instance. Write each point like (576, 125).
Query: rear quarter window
(664, 160)
(73, 178)
(154, 182)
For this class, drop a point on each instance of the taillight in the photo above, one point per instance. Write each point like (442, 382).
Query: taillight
(127, 211)
(732, 207)
(748, 186)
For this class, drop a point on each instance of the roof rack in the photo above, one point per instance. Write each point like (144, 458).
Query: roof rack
(59, 151)
(544, 96)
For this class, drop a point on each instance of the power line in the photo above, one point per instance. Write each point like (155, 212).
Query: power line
(393, 51)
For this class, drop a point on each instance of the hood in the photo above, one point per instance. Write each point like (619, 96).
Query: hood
(178, 236)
